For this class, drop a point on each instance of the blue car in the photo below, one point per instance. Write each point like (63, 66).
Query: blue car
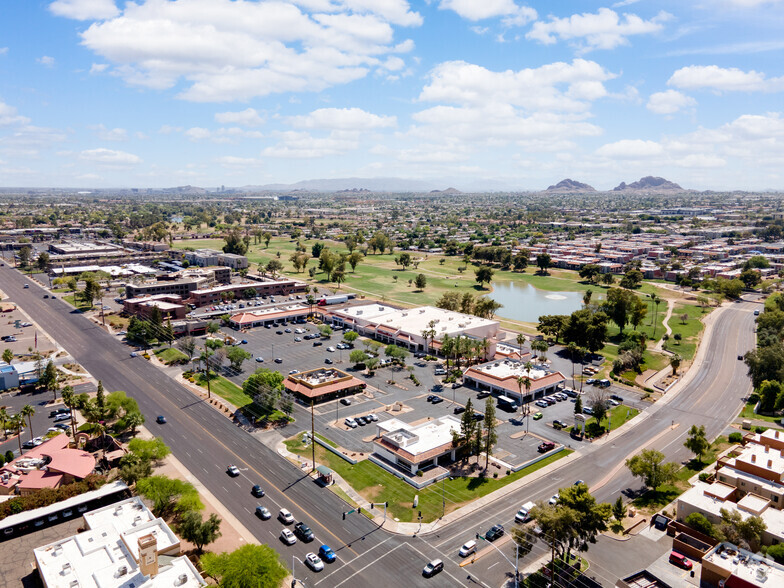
(326, 553)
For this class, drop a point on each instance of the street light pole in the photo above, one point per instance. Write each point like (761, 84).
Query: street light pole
(517, 554)
(312, 437)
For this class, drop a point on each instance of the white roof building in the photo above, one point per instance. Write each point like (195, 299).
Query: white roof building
(125, 546)
(415, 447)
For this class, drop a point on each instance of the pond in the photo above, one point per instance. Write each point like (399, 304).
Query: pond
(523, 302)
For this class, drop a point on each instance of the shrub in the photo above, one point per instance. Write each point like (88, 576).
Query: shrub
(704, 476)
(420, 473)
(760, 429)
(735, 437)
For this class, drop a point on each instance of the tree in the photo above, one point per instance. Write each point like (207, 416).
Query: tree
(745, 533)
(235, 243)
(187, 345)
(199, 532)
(618, 305)
(599, 406)
(524, 539)
(489, 437)
(24, 255)
(91, 292)
(420, 281)
(397, 352)
(650, 467)
(766, 363)
(769, 393)
(619, 509)
(250, 566)
(543, 262)
(697, 442)
(631, 279)
(750, 278)
(8, 356)
(578, 405)
(325, 330)
(263, 380)
(149, 449)
(553, 325)
(541, 347)
(266, 237)
(273, 267)
(592, 517)
(48, 379)
(776, 552)
(27, 412)
(558, 525)
(316, 249)
(43, 261)
(484, 274)
(675, 363)
(590, 271)
(358, 356)
(699, 522)
(100, 401)
(169, 496)
(236, 356)
(404, 259)
(350, 336)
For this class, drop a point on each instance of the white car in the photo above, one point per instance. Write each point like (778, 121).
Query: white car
(285, 516)
(373, 417)
(553, 500)
(331, 349)
(288, 537)
(351, 423)
(314, 562)
(467, 549)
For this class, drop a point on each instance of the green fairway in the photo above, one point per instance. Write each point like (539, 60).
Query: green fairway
(689, 329)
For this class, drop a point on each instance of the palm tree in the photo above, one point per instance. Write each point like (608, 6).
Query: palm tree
(572, 349)
(447, 347)
(581, 352)
(520, 341)
(69, 399)
(205, 357)
(525, 381)
(540, 345)
(28, 411)
(4, 421)
(587, 297)
(17, 422)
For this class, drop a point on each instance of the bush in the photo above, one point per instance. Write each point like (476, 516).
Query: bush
(760, 430)
(704, 476)
(420, 473)
(735, 437)
(47, 496)
(699, 522)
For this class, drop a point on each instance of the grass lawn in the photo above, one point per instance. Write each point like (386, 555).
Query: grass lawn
(748, 413)
(689, 331)
(377, 485)
(80, 305)
(170, 355)
(229, 391)
(654, 500)
(617, 417)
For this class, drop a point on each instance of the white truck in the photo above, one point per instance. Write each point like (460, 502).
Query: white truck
(524, 514)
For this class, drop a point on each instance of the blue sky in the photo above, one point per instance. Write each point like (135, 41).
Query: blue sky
(465, 93)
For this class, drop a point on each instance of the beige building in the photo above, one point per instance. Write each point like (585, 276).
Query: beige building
(502, 377)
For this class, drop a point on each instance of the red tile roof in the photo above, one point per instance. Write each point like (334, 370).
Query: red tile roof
(38, 479)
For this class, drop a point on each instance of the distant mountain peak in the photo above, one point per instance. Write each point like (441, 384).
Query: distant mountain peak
(648, 183)
(568, 185)
(447, 191)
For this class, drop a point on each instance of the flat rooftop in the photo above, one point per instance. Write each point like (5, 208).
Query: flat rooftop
(505, 368)
(752, 568)
(123, 515)
(421, 438)
(415, 320)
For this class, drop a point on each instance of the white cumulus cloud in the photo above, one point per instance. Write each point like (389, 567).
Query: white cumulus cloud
(475, 10)
(720, 79)
(105, 134)
(197, 133)
(109, 157)
(9, 116)
(46, 61)
(247, 118)
(603, 30)
(669, 102)
(84, 9)
(630, 149)
(346, 119)
(225, 50)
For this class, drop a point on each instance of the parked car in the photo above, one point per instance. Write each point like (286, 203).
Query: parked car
(317, 343)
(325, 552)
(478, 416)
(314, 562)
(432, 568)
(604, 383)
(459, 409)
(437, 400)
(233, 471)
(553, 500)
(304, 532)
(537, 416)
(680, 560)
(65, 416)
(494, 533)
(361, 421)
(590, 381)
(287, 537)
(351, 423)
(483, 394)
(372, 417)
(559, 424)
(278, 360)
(328, 361)
(587, 410)
(545, 446)
(345, 401)
(285, 516)
(616, 397)
(263, 513)
(259, 359)
(257, 491)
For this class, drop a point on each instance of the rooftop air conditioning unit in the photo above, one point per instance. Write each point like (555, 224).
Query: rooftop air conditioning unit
(122, 571)
(181, 579)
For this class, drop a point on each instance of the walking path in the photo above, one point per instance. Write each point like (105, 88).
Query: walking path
(668, 330)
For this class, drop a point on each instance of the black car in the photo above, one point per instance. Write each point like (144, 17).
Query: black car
(437, 399)
(431, 397)
(328, 361)
(257, 491)
(616, 397)
(483, 394)
(478, 416)
(361, 421)
(317, 343)
(278, 360)
(302, 531)
(459, 409)
(160, 419)
(495, 532)
(437, 387)
(278, 332)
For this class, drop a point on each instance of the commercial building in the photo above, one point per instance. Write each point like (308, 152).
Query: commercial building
(404, 327)
(182, 288)
(502, 377)
(728, 566)
(266, 286)
(50, 465)
(322, 384)
(419, 446)
(747, 480)
(170, 306)
(124, 546)
(9, 376)
(268, 316)
(207, 257)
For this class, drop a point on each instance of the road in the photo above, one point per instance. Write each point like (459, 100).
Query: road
(206, 442)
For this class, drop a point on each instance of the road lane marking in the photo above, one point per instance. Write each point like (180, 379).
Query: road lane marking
(359, 571)
(350, 561)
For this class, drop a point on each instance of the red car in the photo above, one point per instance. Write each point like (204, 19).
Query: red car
(680, 560)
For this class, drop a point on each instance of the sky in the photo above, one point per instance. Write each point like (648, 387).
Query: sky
(475, 94)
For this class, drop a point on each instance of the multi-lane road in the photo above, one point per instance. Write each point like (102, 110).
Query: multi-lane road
(206, 442)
